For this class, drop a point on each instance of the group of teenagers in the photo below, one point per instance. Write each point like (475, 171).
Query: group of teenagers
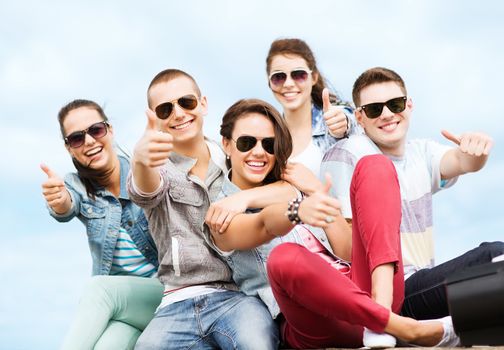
(306, 228)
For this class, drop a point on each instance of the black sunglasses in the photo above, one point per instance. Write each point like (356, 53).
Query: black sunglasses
(96, 131)
(374, 110)
(246, 143)
(164, 110)
(298, 75)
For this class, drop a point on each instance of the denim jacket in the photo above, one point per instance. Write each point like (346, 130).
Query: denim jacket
(320, 133)
(249, 266)
(104, 216)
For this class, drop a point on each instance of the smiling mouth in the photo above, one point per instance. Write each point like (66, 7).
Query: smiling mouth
(182, 126)
(256, 164)
(93, 151)
(390, 126)
(290, 94)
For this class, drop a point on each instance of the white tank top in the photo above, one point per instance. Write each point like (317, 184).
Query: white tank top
(310, 157)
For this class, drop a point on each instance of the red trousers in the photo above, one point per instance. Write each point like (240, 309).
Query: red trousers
(323, 307)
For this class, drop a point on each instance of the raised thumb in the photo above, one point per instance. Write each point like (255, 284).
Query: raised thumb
(453, 138)
(326, 102)
(152, 119)
(49, 172)
(328, 183)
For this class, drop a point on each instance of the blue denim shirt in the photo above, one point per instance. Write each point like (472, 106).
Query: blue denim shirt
(320, 133)
(104, 216)
(249, 266)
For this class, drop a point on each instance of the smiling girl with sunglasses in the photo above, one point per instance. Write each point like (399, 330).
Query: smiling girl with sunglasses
(298, 85)
(114, 310)
(310, 294)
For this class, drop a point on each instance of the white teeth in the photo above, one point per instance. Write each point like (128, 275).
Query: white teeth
(181, 126)
(94, 151)
(389, 127)
(290, 94)
(256, 163)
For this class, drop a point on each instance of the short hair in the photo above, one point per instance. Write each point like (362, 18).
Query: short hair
(283, 139)
(372, 76)
(170, 74)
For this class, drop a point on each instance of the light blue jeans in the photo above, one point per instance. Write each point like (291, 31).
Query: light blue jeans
(225, 320)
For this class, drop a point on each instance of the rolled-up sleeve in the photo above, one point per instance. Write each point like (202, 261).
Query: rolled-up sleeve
(148, 200)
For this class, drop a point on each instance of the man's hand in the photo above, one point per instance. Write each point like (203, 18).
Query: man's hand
(470, 155)
(334, 117)
(154, 148)
(55, 191)
(471, 143)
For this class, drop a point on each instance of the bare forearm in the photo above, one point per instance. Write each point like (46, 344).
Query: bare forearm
(248, 231)
(260, 197)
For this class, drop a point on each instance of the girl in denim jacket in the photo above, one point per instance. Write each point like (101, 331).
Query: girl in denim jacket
(313, 121)
(119, 301)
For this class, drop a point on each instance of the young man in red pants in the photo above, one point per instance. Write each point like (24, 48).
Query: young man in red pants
(392, 261)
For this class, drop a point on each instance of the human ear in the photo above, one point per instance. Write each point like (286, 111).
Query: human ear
(226, 144)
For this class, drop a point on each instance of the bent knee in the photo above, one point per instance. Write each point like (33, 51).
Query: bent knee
(282, 256)
(492, 249)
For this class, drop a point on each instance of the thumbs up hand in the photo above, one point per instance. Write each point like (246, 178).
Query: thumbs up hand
(472, 143)
(320, 209)
(334, 117)
(154, 148)
(55, 191)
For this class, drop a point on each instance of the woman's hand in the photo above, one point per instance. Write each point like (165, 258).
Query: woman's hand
(335, 119)
(221, 212)
(320, 209)
(55, 191)
(302, 178)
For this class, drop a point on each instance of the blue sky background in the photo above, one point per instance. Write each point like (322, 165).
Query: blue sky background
(449, 53)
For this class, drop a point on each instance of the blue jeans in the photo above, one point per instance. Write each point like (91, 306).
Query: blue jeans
(225, 320)
(425, 291)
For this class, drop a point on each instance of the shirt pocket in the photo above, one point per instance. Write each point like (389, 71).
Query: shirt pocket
(94, 216)
(186, 195)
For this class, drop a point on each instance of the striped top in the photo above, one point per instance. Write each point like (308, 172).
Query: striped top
(418, 171)
(128, 260)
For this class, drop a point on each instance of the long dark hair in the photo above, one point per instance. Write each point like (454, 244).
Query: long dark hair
(283, 139)
(89, 177)
(298, 47)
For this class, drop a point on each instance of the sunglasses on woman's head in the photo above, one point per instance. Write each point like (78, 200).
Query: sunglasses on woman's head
(96, 131)
(188, 102)
(298, 75)
(246, 143)
(374, 110)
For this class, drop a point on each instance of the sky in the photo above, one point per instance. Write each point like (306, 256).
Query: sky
(448, 52)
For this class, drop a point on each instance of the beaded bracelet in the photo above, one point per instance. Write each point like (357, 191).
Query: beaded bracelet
(292, 211)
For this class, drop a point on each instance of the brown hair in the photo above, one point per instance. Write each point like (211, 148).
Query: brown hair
(283, 140)
(372, 76)
(298, 47)
(89, 177)
(167, 75)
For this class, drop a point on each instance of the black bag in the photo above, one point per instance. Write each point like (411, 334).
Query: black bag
(476, 303)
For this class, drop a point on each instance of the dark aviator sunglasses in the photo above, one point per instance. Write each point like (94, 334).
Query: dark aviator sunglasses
(188, 102)
(246, 143)
(96, 131)
(298, 75)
